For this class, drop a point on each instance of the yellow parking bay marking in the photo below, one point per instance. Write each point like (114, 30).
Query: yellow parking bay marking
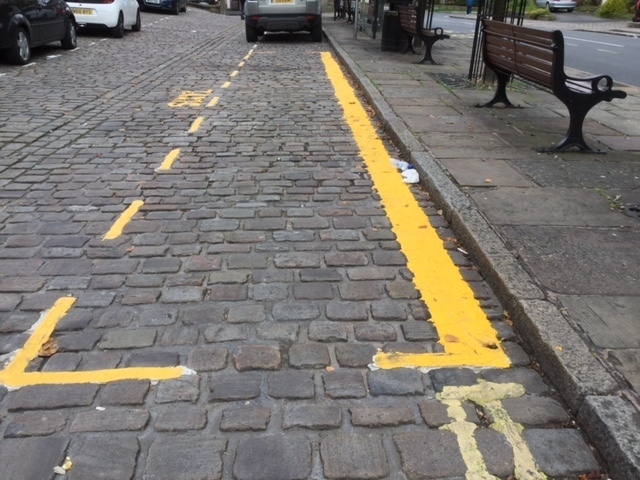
(488, 395)
(125, 217)
(225, 85)
(190, 99)
(213, 102)
(14, 375)
(463, 328)
(196, 124)
(167, 163)
(234, 73)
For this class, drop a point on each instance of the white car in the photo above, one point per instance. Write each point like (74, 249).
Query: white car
(116, 15)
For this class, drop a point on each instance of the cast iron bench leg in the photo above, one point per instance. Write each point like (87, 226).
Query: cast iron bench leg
(501, 93)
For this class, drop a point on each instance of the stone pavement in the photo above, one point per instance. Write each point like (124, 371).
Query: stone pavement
(264, 262)
(556, 235)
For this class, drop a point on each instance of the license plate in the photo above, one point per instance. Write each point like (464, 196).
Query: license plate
(157, 2)
(280, 2)
(82, 11)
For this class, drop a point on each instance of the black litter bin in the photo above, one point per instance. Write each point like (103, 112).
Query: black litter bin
(393, 40)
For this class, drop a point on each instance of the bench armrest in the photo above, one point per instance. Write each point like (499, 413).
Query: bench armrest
(602, 84)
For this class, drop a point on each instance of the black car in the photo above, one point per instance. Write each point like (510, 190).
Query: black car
(29, 23)
(173, 6)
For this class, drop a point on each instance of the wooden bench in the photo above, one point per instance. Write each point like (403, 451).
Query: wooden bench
(412, 22)
(342, 9)
(537, 56)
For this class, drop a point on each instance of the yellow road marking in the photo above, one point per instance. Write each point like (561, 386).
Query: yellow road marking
(463, 328)
(241, 64)
(234, 73)
(116, 229)
(225, 85)
(213, 102)
(196, 124)
(190, 99)
(488, 396)
(14, 375)
(169, 159)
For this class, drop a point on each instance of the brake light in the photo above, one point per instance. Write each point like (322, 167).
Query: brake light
(108, 1)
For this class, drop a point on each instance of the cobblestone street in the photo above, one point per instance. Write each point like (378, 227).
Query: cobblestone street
(261, 266)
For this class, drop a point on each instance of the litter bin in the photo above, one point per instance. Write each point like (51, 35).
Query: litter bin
(393, 40)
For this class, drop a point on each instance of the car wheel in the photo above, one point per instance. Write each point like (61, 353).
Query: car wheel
(20, 51)
(118, 30)
(136, 27)
(569, 10)
(176, 10)
(252, 33)
(316, 33)
(70, 40)
(184, 9)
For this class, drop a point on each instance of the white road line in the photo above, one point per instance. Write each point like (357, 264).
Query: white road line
(595, 41)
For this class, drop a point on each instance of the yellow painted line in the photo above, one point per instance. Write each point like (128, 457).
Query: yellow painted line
(234, 73)
(213, 102)
(476, 466)
(41, 332)
(488, 396)
(196, 124)
(463, 328)
(116, 230)
(190, 99)
(225, 85)
(241, 64)
(14, 375)
(169, 159)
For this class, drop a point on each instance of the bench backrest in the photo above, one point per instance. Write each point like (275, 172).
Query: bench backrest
(408, 17)
(535, 55)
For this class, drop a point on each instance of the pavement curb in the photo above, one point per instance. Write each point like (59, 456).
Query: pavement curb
(577, 374)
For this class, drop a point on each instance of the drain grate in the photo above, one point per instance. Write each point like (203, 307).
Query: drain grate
(632, 211)
(453, 80)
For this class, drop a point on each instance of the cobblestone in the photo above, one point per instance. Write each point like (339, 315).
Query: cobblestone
(245, 419)
(354, 456)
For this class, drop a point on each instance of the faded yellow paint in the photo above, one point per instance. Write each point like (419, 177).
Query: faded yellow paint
(14, 375)
(196, 124)
(241, 64)
(463, 328)
(225, 85)
(213, 102)
(190, 99)
(488, 395)
(234, 73)
(116, 229)
(464, 431)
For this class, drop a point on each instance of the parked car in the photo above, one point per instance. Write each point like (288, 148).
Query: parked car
(25, 24)
(173, 6)
(116, 15)
(554, 5)
(262, 16)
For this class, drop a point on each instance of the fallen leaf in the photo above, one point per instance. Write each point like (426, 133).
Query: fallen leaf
(451, 339)
(559, 348)
(49, 348)
(330, 369)
(487, 180)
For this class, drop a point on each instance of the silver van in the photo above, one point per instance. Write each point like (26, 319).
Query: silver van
(262, 16)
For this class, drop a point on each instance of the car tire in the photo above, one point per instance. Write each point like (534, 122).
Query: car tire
(70, 39)
(118, 30)
(569, 10)
(316, 33)
(184, 9)
(20, 51)
(176, 10)
(252, 33)
(136, 27)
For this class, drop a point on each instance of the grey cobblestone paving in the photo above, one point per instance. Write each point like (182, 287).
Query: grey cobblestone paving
(262, 260)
